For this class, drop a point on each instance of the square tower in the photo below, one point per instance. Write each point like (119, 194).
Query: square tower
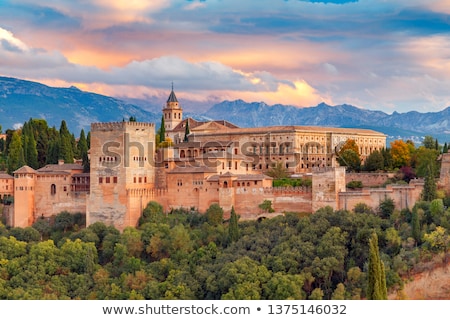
(122, 172)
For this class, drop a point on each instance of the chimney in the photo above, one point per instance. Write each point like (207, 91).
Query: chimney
(60, 162)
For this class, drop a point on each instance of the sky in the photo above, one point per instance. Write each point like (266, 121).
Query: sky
(391, 55)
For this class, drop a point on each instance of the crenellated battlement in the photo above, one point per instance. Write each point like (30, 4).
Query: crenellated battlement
(135, 192)
(120, 125)
(287, 190)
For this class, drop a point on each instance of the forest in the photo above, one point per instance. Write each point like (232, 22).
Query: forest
(190, 255)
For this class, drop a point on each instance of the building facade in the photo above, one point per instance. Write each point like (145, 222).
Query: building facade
(211, 162)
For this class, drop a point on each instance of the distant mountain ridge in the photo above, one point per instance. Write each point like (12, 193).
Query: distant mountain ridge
(411, 125)
(21, 100)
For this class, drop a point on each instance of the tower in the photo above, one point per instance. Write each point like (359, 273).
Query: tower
(173, 113)
(122, 174)
(24, 208)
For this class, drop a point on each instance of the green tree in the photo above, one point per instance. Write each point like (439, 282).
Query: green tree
(386, 208)
(350, 159)
(65, 144)
(153, 212)
(16, 157)
(425, 160)
(349, 156)
(415, 225)
(266, 206)
(376, 286)
(278, 171)
(374, 162)
(187, 130)
(82, 147)
(214, 214)
(428, 142)
(429, 187)
(162, 130)
(233, 228)
(32, 154)
(437, 240)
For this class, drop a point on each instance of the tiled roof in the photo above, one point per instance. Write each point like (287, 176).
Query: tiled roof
(189, 169)
(25, 169)
(286, 129)
(4, 175)
(61, 167)
(172, 97)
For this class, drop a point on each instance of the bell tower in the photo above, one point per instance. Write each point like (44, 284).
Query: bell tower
(173, 113)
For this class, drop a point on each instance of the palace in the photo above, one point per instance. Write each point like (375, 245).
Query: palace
(201, 163)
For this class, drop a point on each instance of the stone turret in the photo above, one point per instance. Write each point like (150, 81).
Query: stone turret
(173, 113)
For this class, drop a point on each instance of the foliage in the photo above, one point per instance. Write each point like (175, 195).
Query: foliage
(266, 206)
(233, 228)
(186, 255)
(278, 171)
(386, 208)
(153, 212)
(16, 158)
(401, 153)
(214, 214)
(355, 184)
(374, 161)
(162, 130)
(292, 182)
(349, 156)
(376, 287)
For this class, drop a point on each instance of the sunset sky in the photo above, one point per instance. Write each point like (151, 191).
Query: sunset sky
(391, 55)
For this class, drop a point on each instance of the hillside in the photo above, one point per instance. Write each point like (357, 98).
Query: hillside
(21, 100)
(432, 283)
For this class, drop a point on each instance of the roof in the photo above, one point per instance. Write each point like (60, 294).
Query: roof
(4, 175)
(213, 125)
(172, 97)
(284, 129)
(190, 169)
(61, 167)
(25, 169)
(239, 177)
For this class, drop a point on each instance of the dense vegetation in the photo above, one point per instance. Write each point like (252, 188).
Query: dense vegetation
(188, 255)
(36, 144)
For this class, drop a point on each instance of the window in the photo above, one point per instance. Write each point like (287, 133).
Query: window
(53, 189)
(100, 180)
(108, 179)
(115, 179)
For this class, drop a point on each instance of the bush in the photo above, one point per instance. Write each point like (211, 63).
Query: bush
(354, 184)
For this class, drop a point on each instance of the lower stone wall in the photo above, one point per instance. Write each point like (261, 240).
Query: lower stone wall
(369, 179)
(404, 196)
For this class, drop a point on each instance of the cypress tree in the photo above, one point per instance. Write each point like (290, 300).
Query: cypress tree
(31, 150)
(233, 229)
(162, 131)
(376, 287)
(88, 140)
(445, 148)
(83, 150)
(16, 157)
(65, 144)
(187, 131)
(415, 226)
(429, 187)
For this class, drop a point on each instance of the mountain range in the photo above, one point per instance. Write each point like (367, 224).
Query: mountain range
(21, 100)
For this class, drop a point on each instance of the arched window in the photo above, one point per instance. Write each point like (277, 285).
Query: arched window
(53, 189)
